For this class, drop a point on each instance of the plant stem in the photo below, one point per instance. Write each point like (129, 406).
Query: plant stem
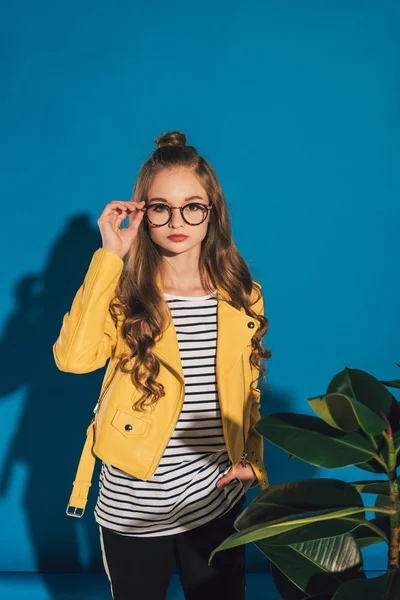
(394, 546)
(381, 462)
(379, 509)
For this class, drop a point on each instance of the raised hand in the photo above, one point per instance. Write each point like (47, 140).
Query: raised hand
(114, 238)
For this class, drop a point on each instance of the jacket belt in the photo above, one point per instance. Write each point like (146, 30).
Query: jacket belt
(83, 477)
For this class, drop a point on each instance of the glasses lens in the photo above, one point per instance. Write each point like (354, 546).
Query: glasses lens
(158, 214)
(194, 213)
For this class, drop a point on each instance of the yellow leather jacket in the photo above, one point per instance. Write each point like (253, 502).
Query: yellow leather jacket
(135, 441)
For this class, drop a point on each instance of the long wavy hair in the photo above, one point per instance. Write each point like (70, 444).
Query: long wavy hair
(139, 307)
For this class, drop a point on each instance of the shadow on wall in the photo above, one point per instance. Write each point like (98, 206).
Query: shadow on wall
(57, 408)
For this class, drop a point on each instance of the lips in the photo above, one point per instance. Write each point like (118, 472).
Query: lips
(177, 238)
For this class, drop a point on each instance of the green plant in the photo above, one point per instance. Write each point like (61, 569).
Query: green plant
(313, 531)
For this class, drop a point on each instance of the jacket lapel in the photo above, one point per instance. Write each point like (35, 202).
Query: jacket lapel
(234, 334)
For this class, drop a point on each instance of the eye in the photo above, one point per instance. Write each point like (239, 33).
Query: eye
(194, 205)
(156, 206)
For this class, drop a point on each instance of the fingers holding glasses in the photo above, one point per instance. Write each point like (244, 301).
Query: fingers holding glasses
(125, 205)
(114, 238)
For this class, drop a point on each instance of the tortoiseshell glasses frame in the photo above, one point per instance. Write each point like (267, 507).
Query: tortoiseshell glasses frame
(207, 208)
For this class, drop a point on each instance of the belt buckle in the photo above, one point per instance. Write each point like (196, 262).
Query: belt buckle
(74, 513)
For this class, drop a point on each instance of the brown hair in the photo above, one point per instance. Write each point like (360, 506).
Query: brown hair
(140, 302)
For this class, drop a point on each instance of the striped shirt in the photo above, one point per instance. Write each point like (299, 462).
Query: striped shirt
(182, 493)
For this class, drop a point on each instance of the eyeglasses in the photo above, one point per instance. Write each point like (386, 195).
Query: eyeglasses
(193, 213)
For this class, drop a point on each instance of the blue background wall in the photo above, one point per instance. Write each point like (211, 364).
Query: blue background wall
(296, 104)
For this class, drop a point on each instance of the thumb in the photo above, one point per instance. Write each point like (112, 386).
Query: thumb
(137, 219)
(225, 479)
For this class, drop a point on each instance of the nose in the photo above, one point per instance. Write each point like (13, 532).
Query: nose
(176, 219)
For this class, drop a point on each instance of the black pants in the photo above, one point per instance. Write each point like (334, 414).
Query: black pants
(140, 568)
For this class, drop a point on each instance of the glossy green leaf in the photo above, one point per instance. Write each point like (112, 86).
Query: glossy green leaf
(347, 413)
(300, 497)
(372, 486)
(385, 587)
(319, 565)
(297, 528)
(371, 466)
(365, 536)
(365, 388)
(313, 441)
(294, 497)
(393, 384)
(316, 529)
(286, 589)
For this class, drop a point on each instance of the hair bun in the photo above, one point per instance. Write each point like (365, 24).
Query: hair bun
(171, 138)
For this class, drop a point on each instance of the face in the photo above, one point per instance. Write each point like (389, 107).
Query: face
(177, 187)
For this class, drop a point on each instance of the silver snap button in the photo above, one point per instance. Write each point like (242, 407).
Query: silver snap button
(128, 427)
(250, 324)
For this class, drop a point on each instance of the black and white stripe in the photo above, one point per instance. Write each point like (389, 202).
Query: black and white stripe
(181, 494)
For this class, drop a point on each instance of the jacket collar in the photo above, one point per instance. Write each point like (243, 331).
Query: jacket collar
(234, 333)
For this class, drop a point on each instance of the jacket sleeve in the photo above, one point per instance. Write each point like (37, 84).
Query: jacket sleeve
(255, 441)
(88, 334)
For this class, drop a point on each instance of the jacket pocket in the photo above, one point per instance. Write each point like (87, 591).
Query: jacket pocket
(129, 425)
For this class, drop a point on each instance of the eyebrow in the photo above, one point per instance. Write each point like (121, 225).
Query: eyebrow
(185, 200)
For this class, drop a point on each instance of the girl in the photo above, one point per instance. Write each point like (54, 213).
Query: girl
(171, 303)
